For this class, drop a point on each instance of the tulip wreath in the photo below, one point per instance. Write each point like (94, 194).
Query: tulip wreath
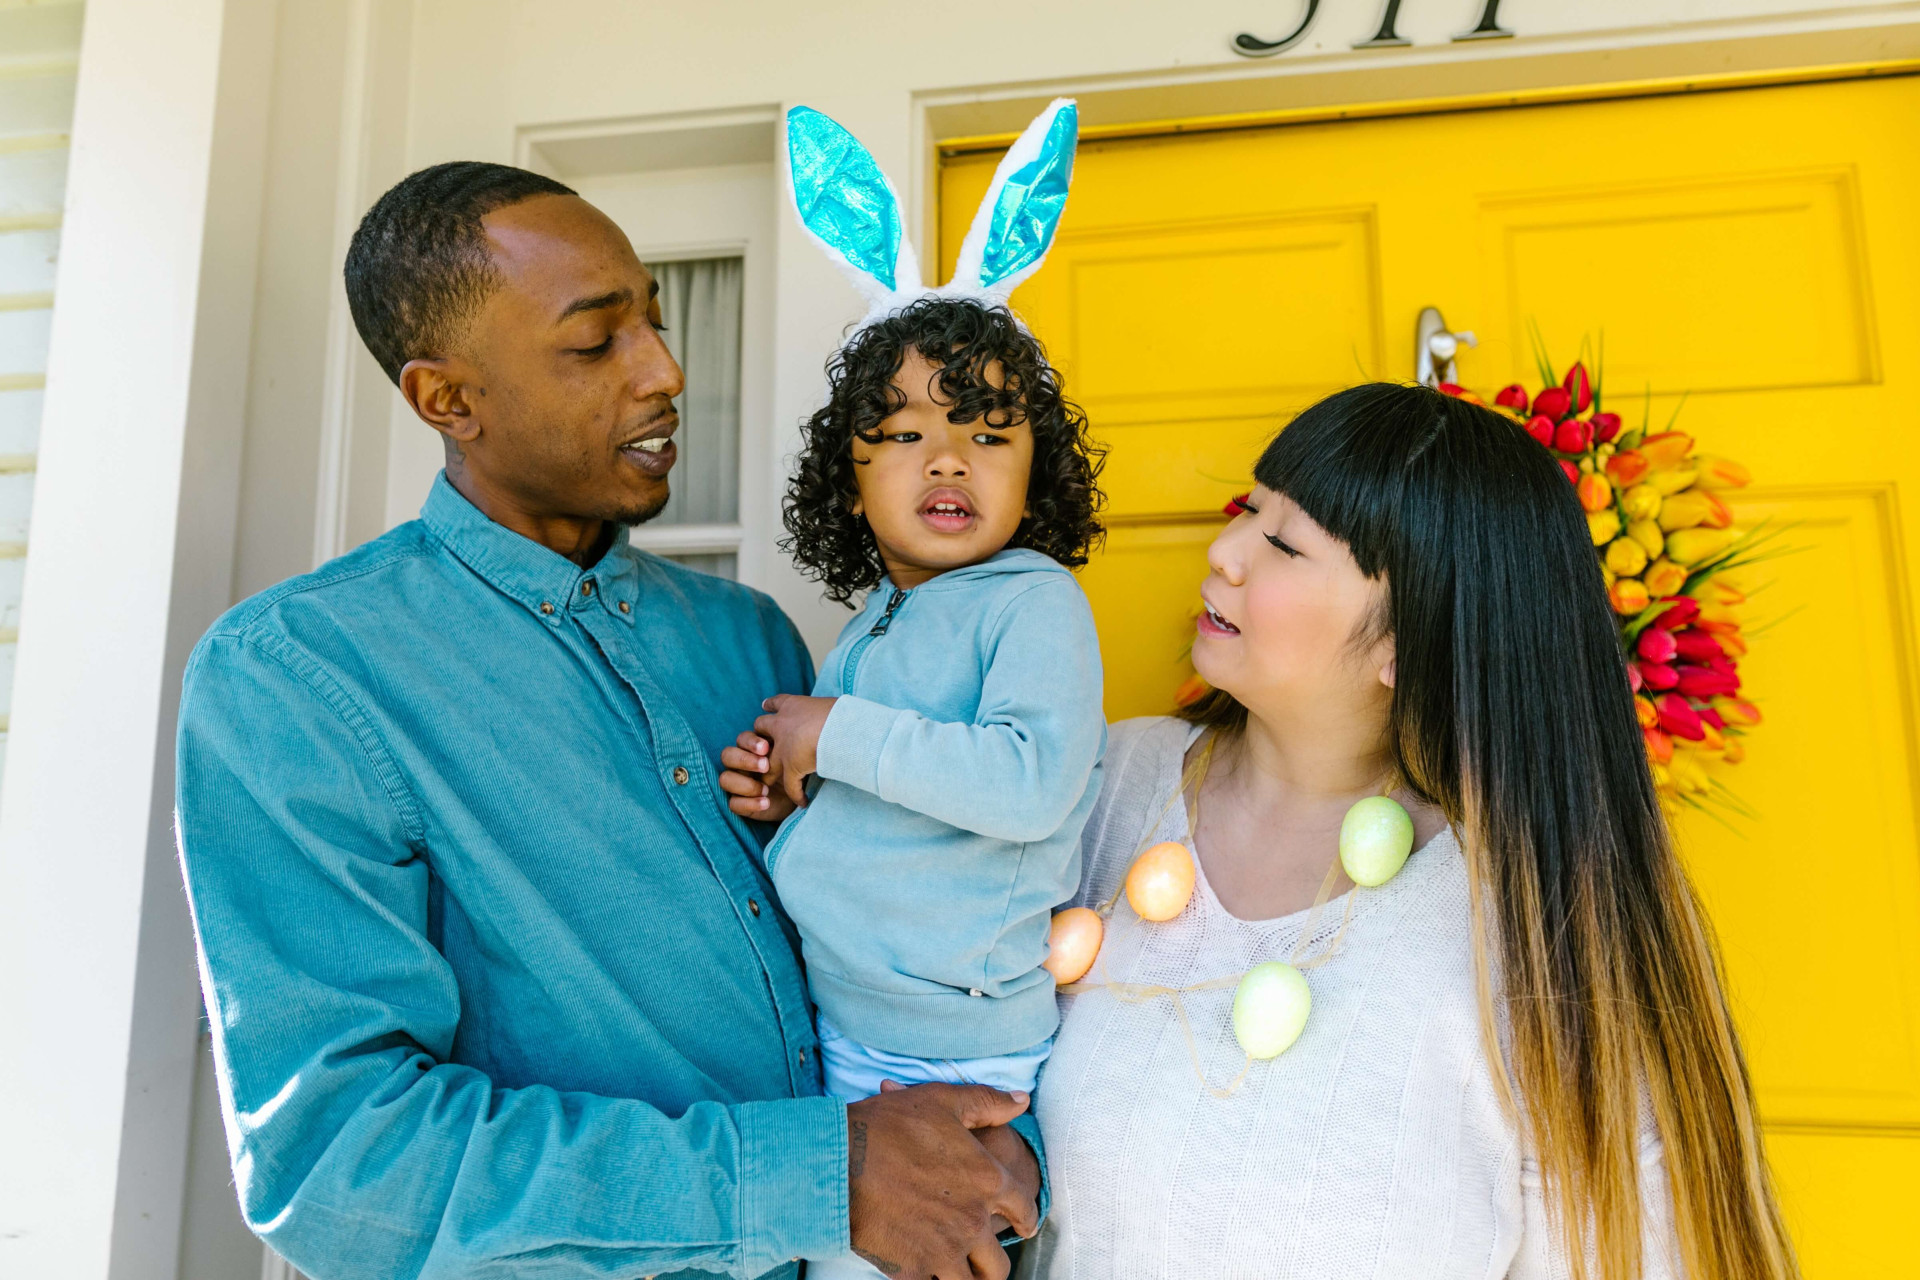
(1668, 547)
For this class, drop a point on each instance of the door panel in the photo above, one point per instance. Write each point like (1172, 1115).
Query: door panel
(1753, 254)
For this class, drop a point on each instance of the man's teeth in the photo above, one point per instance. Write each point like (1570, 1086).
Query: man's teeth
(651, 446)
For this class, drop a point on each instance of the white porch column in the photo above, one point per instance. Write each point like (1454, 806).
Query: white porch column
(132, 552)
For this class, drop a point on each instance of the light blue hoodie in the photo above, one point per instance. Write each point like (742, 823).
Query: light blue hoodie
(956, 771)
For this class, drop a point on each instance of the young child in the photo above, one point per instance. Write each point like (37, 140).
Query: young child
(951, 749)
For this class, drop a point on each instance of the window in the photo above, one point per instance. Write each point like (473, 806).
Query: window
(700, 300)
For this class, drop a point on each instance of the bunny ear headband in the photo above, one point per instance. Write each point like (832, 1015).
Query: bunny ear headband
(850, 210)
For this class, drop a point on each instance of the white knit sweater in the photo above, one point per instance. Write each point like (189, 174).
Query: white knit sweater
(1375, 1146)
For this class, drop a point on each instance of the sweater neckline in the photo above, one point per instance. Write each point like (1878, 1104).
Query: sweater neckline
(1419, 865)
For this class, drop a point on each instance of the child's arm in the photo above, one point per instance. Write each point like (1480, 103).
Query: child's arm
(1017, 771)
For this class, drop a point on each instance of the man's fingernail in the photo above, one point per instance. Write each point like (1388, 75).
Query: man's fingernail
(1018, 1097)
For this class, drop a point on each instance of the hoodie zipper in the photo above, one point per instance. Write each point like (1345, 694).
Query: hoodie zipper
(851, 667)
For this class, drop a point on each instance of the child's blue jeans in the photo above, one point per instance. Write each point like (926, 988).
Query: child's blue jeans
(854, 1071)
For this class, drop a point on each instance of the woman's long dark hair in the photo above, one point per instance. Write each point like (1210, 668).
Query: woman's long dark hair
(1512, 714)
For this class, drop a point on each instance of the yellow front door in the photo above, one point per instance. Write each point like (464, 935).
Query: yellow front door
(1757, 251)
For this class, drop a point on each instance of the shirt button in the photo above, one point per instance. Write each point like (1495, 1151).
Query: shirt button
(803, 1057)
(625, 607)
(680, 775)
(586, 588)
(973, 991)
(753, 906)
(546, 606)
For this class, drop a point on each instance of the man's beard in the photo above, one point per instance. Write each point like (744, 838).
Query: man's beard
(640, 513)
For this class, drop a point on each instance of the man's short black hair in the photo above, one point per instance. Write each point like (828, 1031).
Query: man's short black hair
(418, 267)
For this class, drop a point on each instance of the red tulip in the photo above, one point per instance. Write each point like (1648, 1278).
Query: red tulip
(1658, 676)
(1656, 645)
(1512, 397)
(1696, 645)
(1573, 473)
(1450, 389)
(1677, 718)
(1553, 402)
(1606, 426)
(1705, 682)
(1626, 468)
(1541, 429)
(1572, 436)
(1709, 716)
(1580, 387)
(1635, 681)
(1679, 611)
(1236, 504)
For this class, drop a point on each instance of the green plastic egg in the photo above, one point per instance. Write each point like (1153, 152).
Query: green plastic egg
(1375, 838)
(1270, 1009)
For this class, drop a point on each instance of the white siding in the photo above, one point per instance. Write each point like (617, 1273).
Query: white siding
(39, 56)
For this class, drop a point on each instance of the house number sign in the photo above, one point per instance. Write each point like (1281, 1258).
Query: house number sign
(1253, 46)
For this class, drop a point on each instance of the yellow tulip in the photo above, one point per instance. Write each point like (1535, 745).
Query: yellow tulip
(1672, 481)
(1735, 751)
(1691, 546)
(1625, 556)
(1603, 525)
(1685, 510)
(1665, 578)
(1648, 535)
(1667, 449)
(1723, 473)
(1688, 774)
(1642, 502)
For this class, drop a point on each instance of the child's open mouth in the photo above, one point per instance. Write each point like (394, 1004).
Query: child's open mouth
(947, 510)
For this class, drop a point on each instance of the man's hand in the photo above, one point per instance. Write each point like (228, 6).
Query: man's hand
(924, 1193)
(793, 723)
(751, 781)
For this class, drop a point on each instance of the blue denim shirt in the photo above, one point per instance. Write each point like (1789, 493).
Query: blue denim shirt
(498, 986)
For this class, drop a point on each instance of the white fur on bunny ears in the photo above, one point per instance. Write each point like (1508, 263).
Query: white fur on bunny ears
(848, 208)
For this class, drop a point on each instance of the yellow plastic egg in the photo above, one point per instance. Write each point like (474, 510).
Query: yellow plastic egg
(1161, 881)
(1375, 838)
(1270, 1009)
(1072, 944)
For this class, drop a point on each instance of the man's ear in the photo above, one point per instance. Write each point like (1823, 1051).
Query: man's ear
(440, 392)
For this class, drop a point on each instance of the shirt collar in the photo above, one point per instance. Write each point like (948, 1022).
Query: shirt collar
(546, 582)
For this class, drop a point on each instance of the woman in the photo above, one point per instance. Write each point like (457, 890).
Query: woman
(1519, 1060)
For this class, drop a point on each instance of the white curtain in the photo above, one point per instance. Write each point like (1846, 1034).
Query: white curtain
(700, 300)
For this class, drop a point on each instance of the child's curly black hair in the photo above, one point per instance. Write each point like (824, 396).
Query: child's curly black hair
(832, 545)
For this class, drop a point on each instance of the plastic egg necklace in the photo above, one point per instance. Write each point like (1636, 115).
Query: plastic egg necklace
(1272, 1000)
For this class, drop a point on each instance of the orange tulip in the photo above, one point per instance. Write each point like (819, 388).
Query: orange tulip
(1734, 711)
(1659, 745)
(1191, 690)
(1723, 473)
(1648, 714)
(1628, 596)
(1668, 449)
(1732, 643)
(1711, 738)
(1594, 492)
(1627, 467)
(1725, 592)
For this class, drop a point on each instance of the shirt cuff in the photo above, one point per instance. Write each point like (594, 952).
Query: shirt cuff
(793, 1182)
(1029, 1128)
(852, 740)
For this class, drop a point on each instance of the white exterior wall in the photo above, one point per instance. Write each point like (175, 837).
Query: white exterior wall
(233, 432)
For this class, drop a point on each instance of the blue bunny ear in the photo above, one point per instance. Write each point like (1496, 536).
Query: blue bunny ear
(847, 205)
(1020, 214)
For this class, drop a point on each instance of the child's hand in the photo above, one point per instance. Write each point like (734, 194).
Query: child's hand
(794, 724)
(751, 781)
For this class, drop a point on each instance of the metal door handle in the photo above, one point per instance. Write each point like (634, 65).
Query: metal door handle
(1434, 347)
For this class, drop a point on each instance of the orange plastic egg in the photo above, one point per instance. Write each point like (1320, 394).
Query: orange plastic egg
(1072, 944)
(1161, 881)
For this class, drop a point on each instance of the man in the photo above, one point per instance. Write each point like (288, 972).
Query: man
(498, 984)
